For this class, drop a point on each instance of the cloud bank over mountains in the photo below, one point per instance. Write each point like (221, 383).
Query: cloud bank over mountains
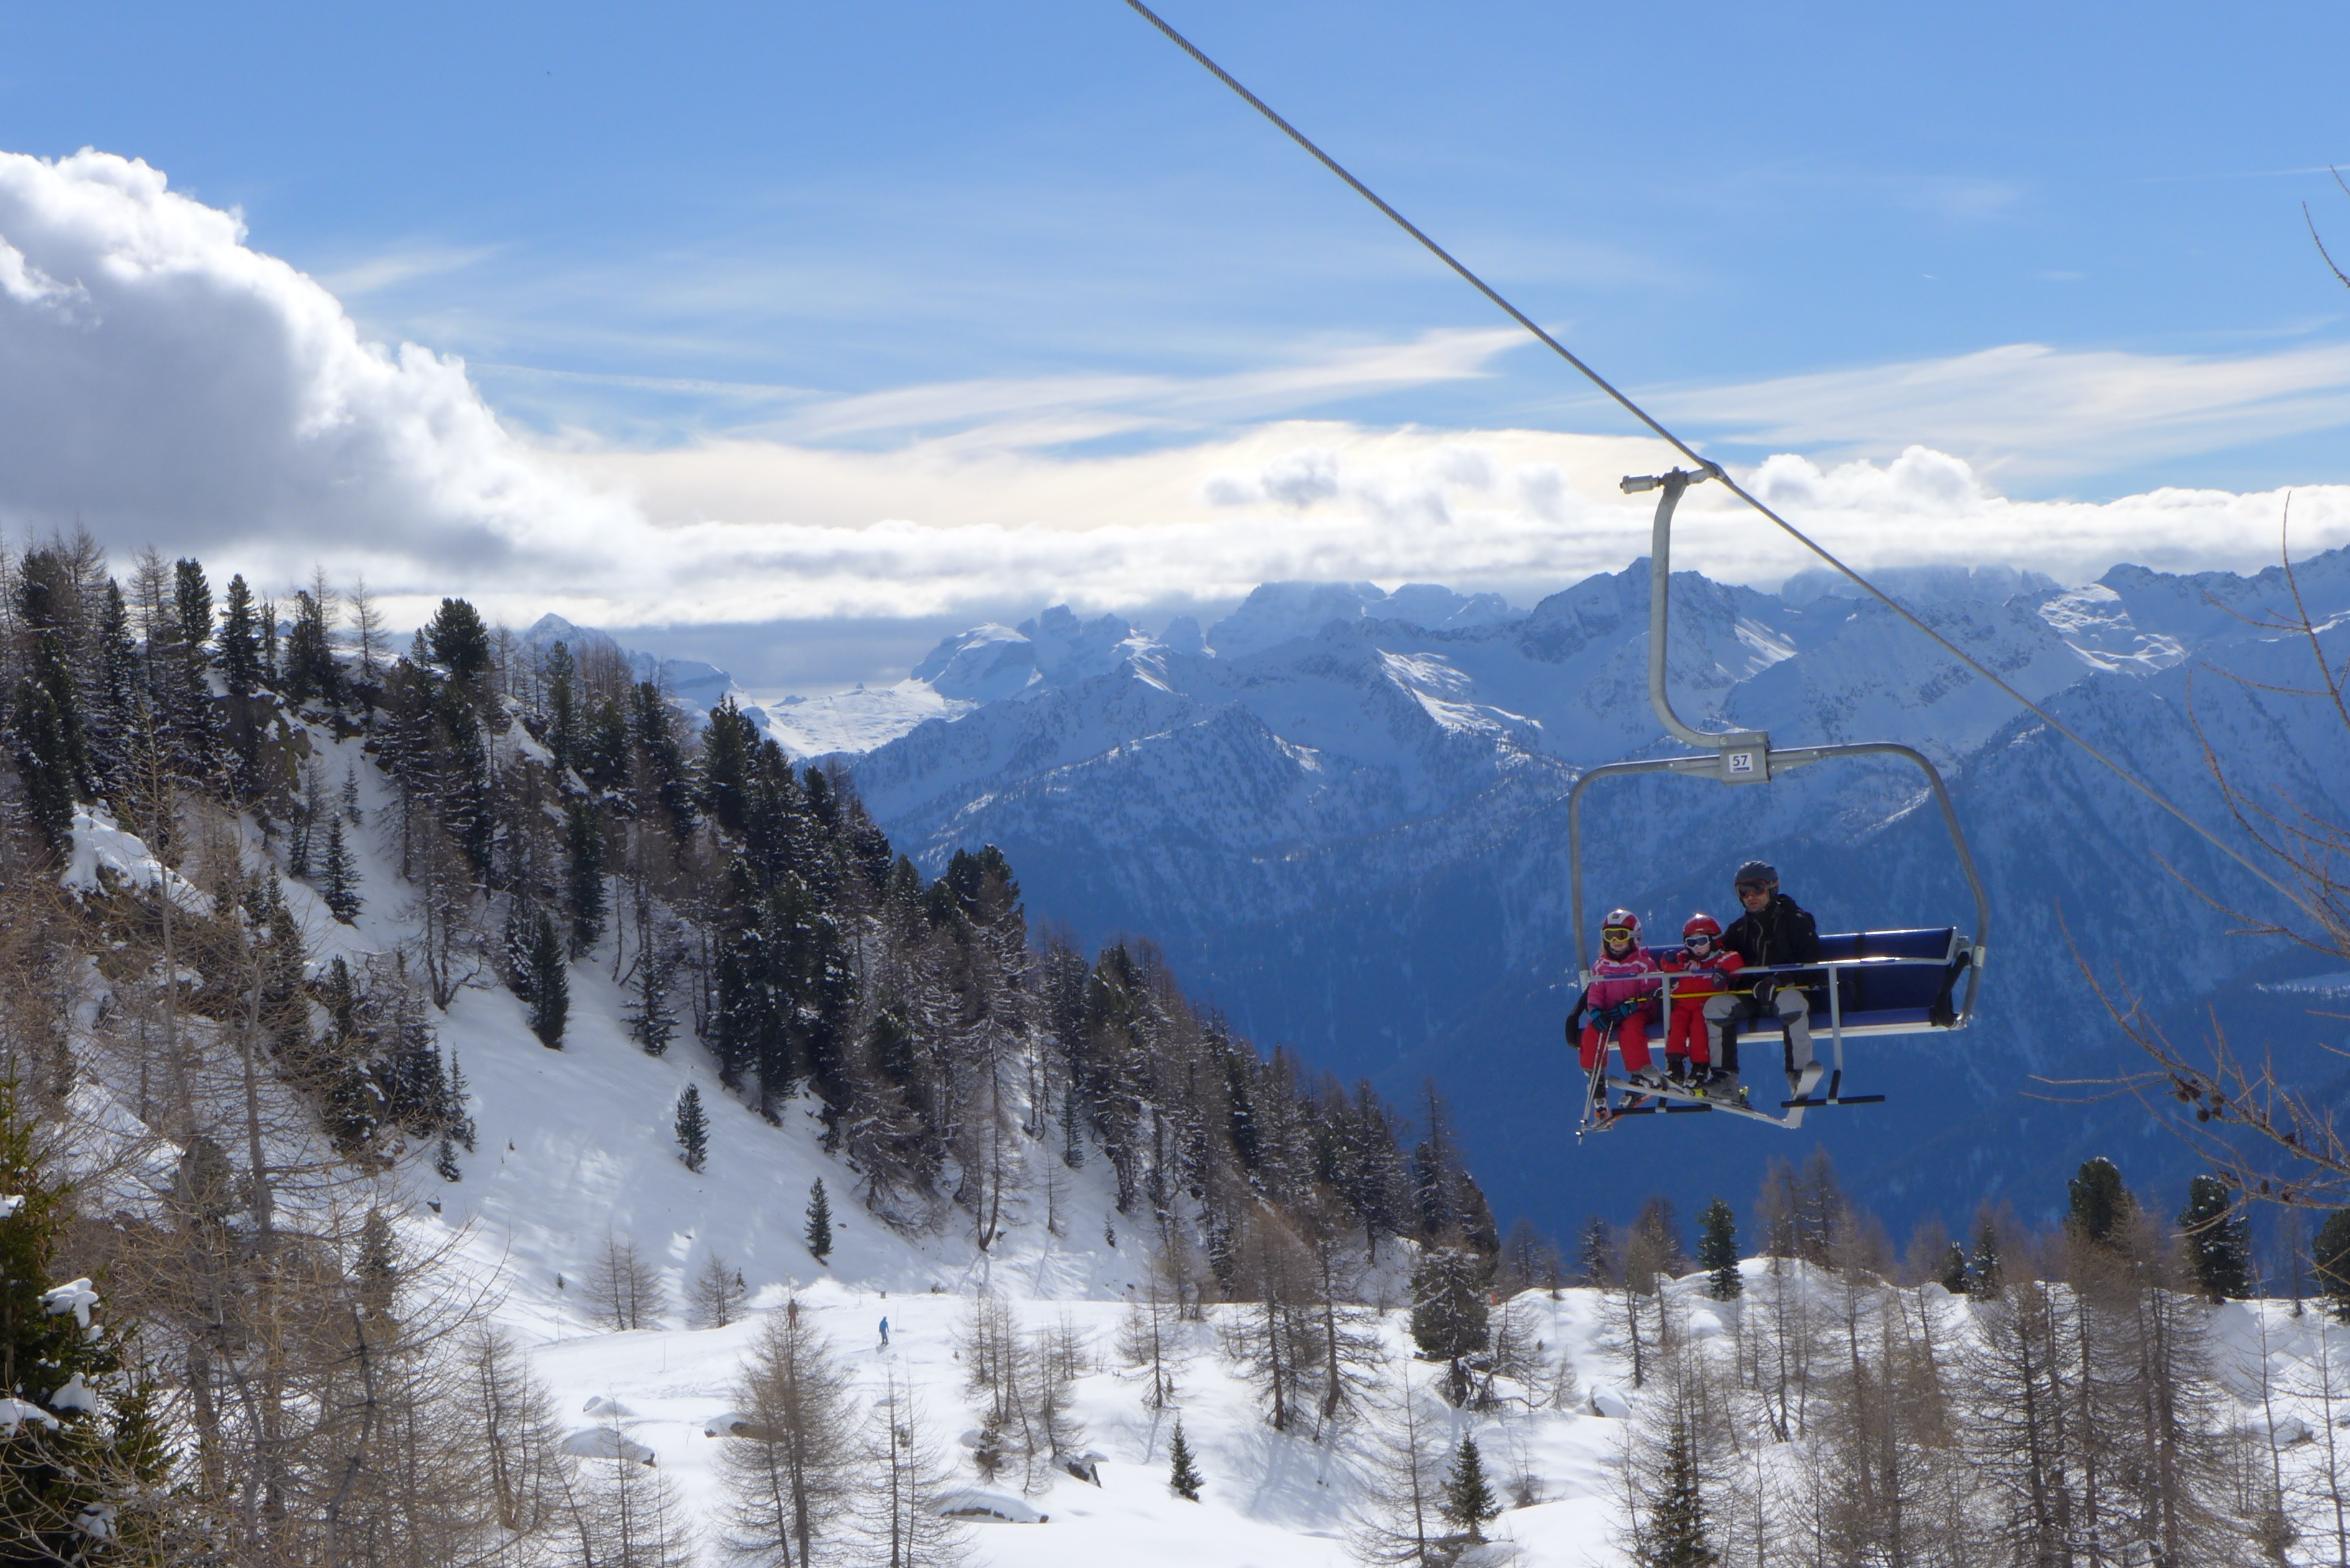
(163, 381)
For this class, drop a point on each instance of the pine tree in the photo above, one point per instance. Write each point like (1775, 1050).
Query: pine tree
(302, 824)
(1182, 1476)
(1468, 1501)
(2329, 1258)
(693, 1130)
(1953, 1275)
(550, 988)
(585, 841)
(1595, 1262)
(459, 642)
(338, 871)
(1677, 1537)
(1985, 1275)
(562, 709)
(1449, 1319)
(1717, 1251)
(240, 641)
(37, 739)
(515, 947)
(819, 1222)
(2100, 1203)
(81, 1439)
(444, 1162)
(649, 1021)
(2219, 1240)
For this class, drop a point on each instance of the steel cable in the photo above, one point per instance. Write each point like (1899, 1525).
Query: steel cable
(1712, 468)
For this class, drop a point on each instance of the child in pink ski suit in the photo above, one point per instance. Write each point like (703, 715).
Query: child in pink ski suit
(1617, 996)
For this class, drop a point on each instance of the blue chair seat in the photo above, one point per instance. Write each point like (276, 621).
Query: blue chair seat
(1879, 997)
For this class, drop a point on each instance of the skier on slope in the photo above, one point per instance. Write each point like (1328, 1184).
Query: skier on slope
(1774, 932)
(1618, 997)
(1707, 966)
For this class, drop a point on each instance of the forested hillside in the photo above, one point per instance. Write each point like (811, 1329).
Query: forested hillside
(252, 856)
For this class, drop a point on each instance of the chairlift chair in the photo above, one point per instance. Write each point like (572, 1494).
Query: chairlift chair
(1867, 984)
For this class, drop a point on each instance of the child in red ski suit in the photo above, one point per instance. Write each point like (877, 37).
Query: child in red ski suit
(1617, 997)
(1707, 966)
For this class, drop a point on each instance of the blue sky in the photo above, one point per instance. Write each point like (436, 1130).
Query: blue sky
(1037, 229)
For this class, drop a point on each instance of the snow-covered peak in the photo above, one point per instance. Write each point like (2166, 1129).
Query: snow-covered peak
(1070, 649)
(551, 628)
(992, 662)
(1275, 613)
(2095, 624)
(986, 664)
(1919, 586)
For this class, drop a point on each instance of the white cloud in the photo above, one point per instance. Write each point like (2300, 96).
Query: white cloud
(204, 395)
(2029, 410)
(1057, 410)
(161, 381)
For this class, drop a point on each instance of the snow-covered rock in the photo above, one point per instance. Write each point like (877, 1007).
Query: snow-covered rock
(606, 1443)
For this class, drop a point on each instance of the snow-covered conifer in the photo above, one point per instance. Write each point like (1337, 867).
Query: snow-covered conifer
(818, 1233)
(583, 840)
(2329, 1261)
(2219, 1240)
(692, 1130)
(550, 988)
(1184, 1476)
(1676, 1533)
(2099, 1204)
(1951, 1271)
(1469, 1504)
(1717, 1250)
(1448, 1311)
(338, 873)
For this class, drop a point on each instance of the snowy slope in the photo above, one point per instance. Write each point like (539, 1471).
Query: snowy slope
(576, 1150)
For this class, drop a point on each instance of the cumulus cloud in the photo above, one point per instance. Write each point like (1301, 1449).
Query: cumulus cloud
(163, 381)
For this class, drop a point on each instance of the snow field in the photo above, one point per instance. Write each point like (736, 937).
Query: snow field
(577, 1147)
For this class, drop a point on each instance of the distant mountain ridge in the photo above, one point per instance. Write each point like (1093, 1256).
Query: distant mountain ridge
(1349, 824)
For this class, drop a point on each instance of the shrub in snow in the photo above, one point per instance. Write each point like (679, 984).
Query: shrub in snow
(1182, 1476)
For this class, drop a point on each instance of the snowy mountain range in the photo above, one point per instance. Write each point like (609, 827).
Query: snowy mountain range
(1343, 811)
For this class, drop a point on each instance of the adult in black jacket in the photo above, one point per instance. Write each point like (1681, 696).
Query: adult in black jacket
(1775, 931)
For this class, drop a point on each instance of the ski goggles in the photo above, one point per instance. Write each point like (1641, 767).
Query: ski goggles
(1614, 933)
(1698, 941)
